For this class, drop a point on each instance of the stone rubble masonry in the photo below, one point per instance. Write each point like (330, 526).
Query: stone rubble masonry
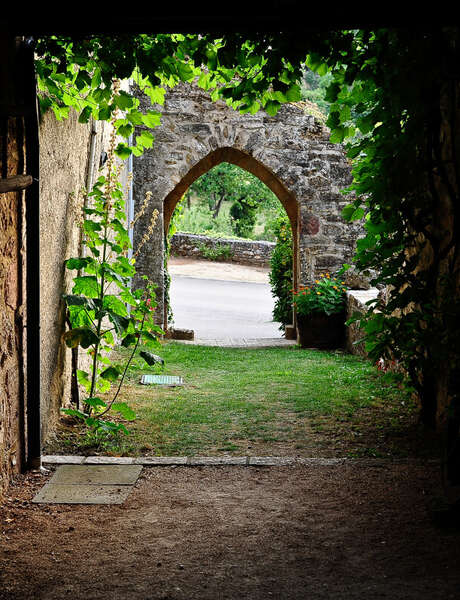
(289, 152)
(244, 252)
(356, 302)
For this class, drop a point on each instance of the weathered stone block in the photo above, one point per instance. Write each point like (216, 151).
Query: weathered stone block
(180, 334)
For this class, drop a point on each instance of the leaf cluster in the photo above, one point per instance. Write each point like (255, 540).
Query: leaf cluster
(78, 73)
(281, 271)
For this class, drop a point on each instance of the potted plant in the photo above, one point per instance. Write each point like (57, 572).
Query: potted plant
(320, 313)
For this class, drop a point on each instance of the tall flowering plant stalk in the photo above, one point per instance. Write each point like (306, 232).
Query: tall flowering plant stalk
(103, 310)
(325, 296)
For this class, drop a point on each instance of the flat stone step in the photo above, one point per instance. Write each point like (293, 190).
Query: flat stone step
(121, 474)
(89, 484)
(82, 494)
(251, 461)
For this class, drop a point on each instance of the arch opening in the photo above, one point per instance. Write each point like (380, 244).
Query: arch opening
(250, 165)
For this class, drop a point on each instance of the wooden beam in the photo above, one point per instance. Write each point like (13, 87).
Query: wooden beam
(15, 183)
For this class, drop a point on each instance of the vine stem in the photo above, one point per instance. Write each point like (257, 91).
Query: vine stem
(101, 299)
(109, 406)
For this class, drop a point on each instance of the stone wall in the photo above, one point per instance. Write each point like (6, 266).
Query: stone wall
(12, 304)
(64, 163)
(356, 302)
(289, 152)
(245, 252)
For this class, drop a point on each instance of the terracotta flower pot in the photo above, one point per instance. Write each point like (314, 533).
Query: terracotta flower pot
(318, 330)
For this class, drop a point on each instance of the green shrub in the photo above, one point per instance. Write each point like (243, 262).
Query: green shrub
(243, 214)
(217, 252)
(198, 219)
(281, 273)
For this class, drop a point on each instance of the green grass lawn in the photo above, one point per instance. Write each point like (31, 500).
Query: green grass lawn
(279, 401)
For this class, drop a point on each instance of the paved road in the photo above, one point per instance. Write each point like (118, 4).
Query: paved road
(223, 309)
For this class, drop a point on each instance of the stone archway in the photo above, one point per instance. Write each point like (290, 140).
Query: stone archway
(289, 152)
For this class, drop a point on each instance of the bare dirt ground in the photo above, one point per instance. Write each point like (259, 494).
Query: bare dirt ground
(348, 531)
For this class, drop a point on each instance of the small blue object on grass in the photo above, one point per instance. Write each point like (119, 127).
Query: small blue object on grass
(171, 380)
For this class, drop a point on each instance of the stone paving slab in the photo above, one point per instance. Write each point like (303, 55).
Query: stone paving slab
(54, 493)
(217, 460)
(271, 461)
(109, 460)
(89, 484)
(160, 460)
(221, 460)
(96, 474)
(62, 460)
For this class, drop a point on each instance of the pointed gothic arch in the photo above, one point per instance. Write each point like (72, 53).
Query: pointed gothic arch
(289, 152)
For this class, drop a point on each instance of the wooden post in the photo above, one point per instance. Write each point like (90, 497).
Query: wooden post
(15, 183)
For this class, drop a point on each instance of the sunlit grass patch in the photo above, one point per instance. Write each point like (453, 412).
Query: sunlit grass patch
(235, 399)
(276, 401)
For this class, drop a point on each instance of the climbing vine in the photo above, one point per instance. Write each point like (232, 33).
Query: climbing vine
(103, 309)
(281, 271)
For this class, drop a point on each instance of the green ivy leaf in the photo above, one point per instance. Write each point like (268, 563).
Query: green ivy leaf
(123, 100)
(120, 323)
(85, 115)
(87, 285)
(96, 79)
(151, 118)
(92, 226)
(123, 151)
(186, 73)
(78, 263)
(80, 336)
(109, 427)
(129, 340)
(95, 402)
(156, 94)
(293, 94)
(104, 112)
(357, 214)
(151, 359)
(145, 139)
(73, 412)
(125, 130)
(125, 411)
(114, 305)
(75, 300)
(338, 135)
(110, 374)
(135, 117)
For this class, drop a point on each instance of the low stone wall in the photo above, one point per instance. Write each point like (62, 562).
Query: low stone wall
(356, 302)
(246, 252)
